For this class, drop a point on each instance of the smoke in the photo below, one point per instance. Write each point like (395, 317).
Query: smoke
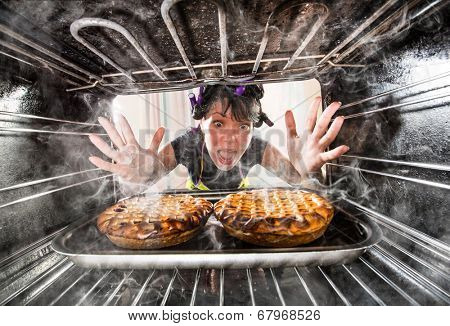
(214, 237)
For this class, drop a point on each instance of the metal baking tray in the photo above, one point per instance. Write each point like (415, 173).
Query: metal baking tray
(349, 234)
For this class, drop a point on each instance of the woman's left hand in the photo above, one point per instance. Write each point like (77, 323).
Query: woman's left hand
(307, 152)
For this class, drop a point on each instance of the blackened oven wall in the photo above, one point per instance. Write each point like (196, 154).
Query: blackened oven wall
(413, 133)
(28, 156)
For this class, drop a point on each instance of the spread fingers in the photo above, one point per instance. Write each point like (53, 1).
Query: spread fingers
(312, 114)
(332, 132)
(107, 166)
(325, 119)
(127, 131)
(112, 132)
(334, 153)
(104, 147)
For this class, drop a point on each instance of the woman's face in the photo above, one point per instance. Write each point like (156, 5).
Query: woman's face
(225, 138)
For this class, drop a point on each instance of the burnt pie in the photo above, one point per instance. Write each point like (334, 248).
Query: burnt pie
(274, 218)
(151, 222)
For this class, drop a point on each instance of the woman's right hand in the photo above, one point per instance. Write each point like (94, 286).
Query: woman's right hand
(131, 162)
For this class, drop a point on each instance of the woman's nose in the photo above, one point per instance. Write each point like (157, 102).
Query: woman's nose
(230, 136)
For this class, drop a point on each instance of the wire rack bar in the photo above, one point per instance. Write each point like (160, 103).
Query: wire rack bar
(305, 285)
(28, 130)
(357, 115)
(165, 9)
(415, 164)
(16, 58)
(421, 12)
(221, 287)
(389, 282)
(4, 29)
(189, 83)
(358, 30)
(281, 8)
(250, 286)
(17, 49)
(225, 81)
(400, 226)
(30, 249)
(79, 88)
(335, 288)
(51, 191)
(34, 281)
(169, 288)
(379, 28)
(351, 65)
(277, 287)
(116, 290)
(28, 269)
(420, 82)
(241, 79)
(53, 278)
(35, 182)
(217, 64)
(443, 274)
(47, 63)
(433, 288)
(365, 287)
(194, 290)
(63, 293)
(390, 175)
(31, 116)
(142, 290)
(99, 22)
(88, 293)
(413, 240)
(319, 22)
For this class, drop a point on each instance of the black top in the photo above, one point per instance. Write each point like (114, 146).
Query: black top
(188, 152)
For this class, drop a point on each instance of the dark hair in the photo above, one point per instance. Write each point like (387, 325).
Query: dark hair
(243, 107)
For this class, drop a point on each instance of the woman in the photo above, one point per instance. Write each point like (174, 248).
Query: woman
(222, 149)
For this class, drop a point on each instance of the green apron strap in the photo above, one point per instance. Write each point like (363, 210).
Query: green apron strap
(191, 186)
(245, 183)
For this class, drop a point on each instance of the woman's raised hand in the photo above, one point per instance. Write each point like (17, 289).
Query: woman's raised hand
(131, 162)
(307, 152)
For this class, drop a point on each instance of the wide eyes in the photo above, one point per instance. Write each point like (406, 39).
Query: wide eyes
(243, 127)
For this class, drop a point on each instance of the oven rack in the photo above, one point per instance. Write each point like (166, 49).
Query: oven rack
(38, 276)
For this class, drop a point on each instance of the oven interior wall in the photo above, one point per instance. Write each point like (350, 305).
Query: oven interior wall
(407, 182)
(33, 149)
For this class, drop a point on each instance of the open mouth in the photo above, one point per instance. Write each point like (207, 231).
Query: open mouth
(226, 157)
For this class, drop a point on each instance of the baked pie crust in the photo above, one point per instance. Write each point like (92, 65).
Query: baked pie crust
(275, 218)
(151, 222)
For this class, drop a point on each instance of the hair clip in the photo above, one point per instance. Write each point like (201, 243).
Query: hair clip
(239, 90)
(193, 100)
(200, 95)
(266, 119)
(196, 101)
